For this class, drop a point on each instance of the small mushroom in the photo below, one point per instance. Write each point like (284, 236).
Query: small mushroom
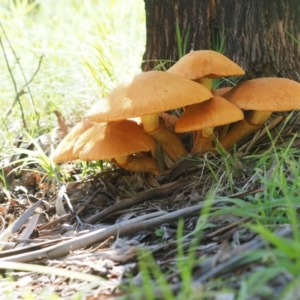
(204, 65)
(64, 151)
(120, 141)
(260, 97)
(222, 130)
(203, 117)
(147, 95)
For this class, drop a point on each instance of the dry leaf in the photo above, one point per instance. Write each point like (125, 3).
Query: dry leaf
(61, 122)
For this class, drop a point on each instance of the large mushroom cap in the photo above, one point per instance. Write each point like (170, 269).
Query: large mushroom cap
(114, 139)
(215, 112)
(148, 93)
(266, 94)
(64, 151)
(205, 63)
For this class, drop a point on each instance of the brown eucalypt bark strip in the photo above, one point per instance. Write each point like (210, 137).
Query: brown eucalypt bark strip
(168, 140)
(243, 128)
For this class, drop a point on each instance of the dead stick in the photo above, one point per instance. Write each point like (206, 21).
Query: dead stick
(14, 83)
(22, 92)
(139, 198)
(24, 76)
(226, 228)
(121, 229)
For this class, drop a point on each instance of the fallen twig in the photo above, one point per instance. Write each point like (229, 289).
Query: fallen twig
(139, 198)
(226, 228)
(18, 93)
(130, 227)
(23, 74)
(208, 269)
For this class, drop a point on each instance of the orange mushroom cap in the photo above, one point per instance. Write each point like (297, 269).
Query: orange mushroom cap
(113, 139)
(148, 93)
(205, 64)
(266, 94)
(64, 151)
(215, 112)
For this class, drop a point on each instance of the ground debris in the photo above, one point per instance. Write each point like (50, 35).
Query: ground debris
(114, 216)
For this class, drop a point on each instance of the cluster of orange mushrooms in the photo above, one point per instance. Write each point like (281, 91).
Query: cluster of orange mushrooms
(132, 125)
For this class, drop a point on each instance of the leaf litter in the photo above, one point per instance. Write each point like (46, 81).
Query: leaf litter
(99, 224)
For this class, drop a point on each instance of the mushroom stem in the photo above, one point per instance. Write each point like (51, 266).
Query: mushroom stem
(222, 131)
(157, 153)
(245, 127)
(138, 164)
(207, 82)
(258, 117)
(169, 141)
(203, 141)
(150, 122)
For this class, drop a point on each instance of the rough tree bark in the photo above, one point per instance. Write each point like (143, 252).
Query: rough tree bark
(255, 32)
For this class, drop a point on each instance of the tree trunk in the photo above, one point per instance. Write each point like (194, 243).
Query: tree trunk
(193, 19)
(256, 33)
